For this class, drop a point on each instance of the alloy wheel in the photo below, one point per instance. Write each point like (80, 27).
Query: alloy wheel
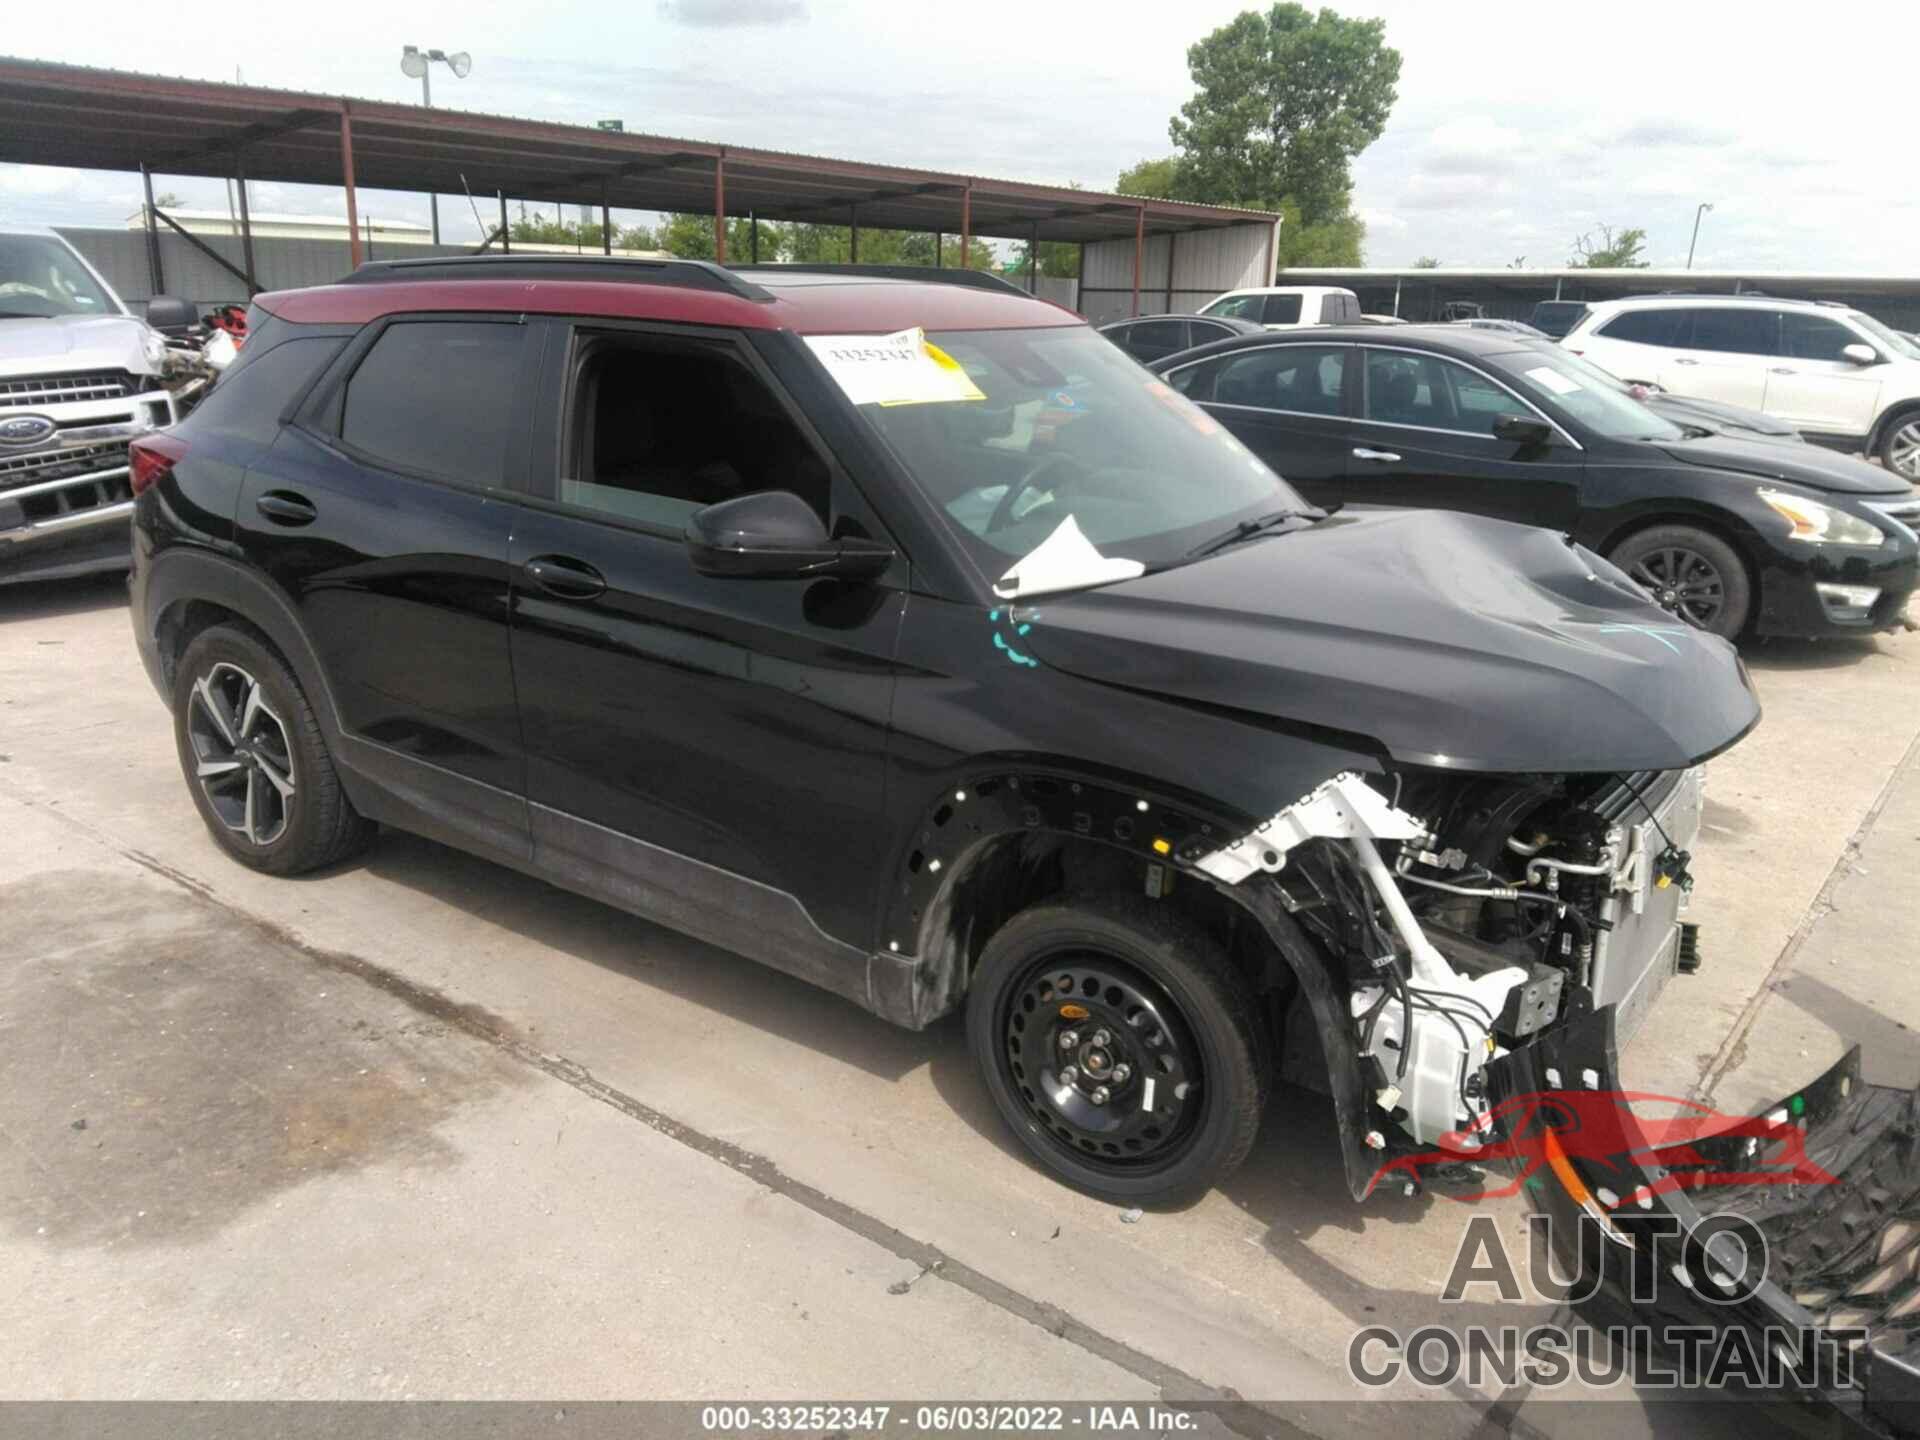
(1684, 583)
(1903, 451)
(243, 760)
(1102, 1061)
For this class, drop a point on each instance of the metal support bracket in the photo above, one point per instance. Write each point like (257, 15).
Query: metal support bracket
(1343, 808)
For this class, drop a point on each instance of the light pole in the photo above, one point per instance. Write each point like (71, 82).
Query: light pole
(1705, 205)
(417, 62)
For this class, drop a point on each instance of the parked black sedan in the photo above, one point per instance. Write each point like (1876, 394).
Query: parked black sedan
(1732, 536)
(1153, 337)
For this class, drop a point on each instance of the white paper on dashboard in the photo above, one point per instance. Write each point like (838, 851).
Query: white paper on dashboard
(903, 368)
(1065, 560)
(1556, 382)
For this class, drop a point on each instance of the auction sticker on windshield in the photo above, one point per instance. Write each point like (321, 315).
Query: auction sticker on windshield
(898, 369)
(1553, 380)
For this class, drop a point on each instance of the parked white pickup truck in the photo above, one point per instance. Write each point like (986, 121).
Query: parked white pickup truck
(80, 376)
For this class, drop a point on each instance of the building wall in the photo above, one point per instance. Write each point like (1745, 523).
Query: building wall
(1178, 273)
(280, 263)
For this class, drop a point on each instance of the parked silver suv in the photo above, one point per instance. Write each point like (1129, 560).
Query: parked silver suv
(80, 377)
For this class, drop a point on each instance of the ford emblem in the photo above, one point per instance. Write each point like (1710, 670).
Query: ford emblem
(24, 429)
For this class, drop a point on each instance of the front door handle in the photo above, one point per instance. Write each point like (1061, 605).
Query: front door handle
(1781, 370)
(283, 507)
(1685, 360)
(569, 579)
(1384, 457)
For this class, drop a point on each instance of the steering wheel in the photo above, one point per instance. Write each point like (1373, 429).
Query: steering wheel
(1003, 512)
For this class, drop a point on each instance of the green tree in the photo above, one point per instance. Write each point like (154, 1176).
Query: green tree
(916, 248)
(1286, 100)
(1151, 179)
(690, 236)
(1613, 252)
(541, 230)
(1426, 262)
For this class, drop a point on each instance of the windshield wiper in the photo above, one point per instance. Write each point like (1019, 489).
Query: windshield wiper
(1247, 529)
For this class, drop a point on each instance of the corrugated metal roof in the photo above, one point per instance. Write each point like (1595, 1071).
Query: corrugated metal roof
(94, 118)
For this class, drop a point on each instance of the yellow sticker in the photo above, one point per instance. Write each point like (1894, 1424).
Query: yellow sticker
(898, 369)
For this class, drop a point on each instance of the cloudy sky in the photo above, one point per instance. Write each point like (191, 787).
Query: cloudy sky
(1519, 126)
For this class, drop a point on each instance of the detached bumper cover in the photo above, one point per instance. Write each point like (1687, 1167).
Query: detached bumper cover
(1831, 1178)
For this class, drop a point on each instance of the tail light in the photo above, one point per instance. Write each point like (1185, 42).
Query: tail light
(150, 458)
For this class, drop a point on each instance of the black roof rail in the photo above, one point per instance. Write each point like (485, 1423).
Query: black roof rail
(927, 274)
(687, 274)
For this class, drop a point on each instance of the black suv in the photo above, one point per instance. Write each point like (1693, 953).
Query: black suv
(905, 636)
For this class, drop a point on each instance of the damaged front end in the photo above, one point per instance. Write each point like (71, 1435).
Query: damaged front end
(1468, 915)
(1789, 1241)
(1493, 940)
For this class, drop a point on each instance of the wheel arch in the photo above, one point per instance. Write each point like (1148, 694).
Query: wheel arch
(188, 590)
(1735, 533)
(1892, 415)
(1003, 838)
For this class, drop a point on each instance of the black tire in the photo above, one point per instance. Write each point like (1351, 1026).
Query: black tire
(304, 826)
(1694, 575)
(1123, 955)
(1899, 448)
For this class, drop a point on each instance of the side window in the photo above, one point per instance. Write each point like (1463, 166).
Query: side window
(1813, 337)
(1305, 379)
(661, 428)
(1194, 381)
(1238, 307)
(1425, 390)
(1156, 337)
(438, 398)
(1281, 310)
(1736, 331)
(1648, 327)
(1205, 334)
(248, 400)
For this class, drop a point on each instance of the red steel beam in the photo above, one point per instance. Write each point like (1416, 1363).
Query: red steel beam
(346, 172)
(1139, 252)
(966, 226)
(720, 208)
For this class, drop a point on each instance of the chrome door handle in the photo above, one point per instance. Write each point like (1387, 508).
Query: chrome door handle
(1780, 370)
(1384, 457)
(1683, 360)
(568, 579)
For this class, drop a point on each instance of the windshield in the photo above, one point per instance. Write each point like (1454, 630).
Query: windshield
(1069, 427)
(1892, 339)
(39, 276)
(1588, 393)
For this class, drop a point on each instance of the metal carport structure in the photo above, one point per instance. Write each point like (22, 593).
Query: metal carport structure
(52, 114)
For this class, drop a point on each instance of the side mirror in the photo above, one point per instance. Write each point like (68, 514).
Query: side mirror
(170, 313)
(1522, 430)
(1860, 354)
(775, 535)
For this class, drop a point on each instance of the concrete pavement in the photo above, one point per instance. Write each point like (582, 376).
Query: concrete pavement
(632, 1164)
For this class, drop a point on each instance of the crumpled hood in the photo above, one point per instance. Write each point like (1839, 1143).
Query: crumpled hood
(1449, 639)
(32, 345)
(1807, 465)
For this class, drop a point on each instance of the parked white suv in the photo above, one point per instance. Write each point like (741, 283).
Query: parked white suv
(1285, 307)
(1838, 376)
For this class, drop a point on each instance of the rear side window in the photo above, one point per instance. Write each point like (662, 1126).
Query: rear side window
(1736, 332)
(1205, 333)
(1814, 337)
(1645, 327)
(437, 398)
(1281, 310)
(1237, 307)
(1156, 337)
(1305, 379)
(250, 398)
